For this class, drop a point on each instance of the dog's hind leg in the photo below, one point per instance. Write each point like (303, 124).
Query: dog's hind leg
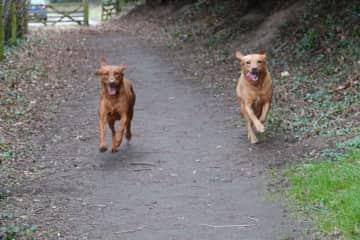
(128, 125)
(119, 135)
(128, 131)
(111, 123)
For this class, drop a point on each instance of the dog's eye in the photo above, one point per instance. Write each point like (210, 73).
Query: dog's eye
(259, 61)
(248, 62)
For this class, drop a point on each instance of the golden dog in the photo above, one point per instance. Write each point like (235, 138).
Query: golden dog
(254, 91)
(117, 100)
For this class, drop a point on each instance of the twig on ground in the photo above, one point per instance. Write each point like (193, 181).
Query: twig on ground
(141, 169)
(142, 164)
(228, 226)
(253, 218)
(131, 230)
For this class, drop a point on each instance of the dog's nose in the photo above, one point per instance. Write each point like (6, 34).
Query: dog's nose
(111, 80)
(254, 70)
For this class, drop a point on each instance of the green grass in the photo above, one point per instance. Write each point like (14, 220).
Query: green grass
(328, 191)
(15, 231)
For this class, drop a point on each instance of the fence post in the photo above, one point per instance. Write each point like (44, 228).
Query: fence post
(13, 23)
(2, 31)
(86, 12)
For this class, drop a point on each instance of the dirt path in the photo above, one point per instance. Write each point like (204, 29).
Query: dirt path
(187, 174)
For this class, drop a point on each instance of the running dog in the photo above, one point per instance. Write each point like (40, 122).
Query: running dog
(254, 91)
(117, 100)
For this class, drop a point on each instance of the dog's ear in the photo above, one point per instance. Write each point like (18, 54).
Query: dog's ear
(262, 52)
(122, 67)
(239, 55)
(102, 61)
(99, 72)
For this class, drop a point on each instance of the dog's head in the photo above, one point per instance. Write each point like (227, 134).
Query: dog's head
(112, 77)
(252, 65)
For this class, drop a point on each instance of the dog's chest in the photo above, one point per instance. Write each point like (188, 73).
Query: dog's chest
(115, 107)
(260, 95)
(255, 95)
(113, 114)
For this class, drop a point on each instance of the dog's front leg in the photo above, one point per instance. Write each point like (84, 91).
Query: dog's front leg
(111, 123)
(102, 121)
(258, 125)
(120, 133)
(251, 135)
(265, 110)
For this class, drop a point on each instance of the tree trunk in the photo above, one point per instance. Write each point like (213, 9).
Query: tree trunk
(20, 14)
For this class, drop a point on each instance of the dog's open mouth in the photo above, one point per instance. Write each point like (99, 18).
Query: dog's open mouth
(252, 76)
(112, 89)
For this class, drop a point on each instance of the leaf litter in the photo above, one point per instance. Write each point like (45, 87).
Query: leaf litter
(35, 79)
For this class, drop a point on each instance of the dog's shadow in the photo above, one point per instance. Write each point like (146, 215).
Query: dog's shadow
(124, 158)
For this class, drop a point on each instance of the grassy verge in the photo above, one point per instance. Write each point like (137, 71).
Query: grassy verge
(328, 191)
(321, 96)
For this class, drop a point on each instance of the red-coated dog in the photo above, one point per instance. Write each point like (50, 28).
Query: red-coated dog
(117, 100)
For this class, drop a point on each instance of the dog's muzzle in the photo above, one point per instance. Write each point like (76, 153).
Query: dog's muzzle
(253, 75)
(112, 88)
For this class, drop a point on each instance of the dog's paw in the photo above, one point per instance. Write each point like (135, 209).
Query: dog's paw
(114, 150)
(115, 146)
(128, 137)
(260, 127)
(103, 148)
(254, 141)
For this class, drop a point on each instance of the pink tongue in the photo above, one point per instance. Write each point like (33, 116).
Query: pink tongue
(111, 91)
(251, 76)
